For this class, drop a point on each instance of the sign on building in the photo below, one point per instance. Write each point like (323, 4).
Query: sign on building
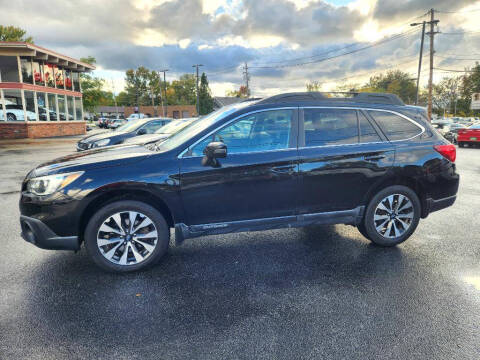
(475, 102)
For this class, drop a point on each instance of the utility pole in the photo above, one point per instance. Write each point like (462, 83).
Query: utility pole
(114, 98)
(431, 33)
(247, 78)
(198, 98)
(421, 57)
(165, 110)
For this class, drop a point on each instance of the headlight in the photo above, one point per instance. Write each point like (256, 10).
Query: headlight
(46, 185)
(101, 143)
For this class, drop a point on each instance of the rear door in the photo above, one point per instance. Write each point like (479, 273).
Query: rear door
(341, 155)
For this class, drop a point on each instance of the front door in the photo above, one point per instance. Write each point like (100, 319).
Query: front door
(341, 156)
(257, 179)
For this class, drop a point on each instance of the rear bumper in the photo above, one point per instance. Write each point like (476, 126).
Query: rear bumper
(435, 205)
(37, 233)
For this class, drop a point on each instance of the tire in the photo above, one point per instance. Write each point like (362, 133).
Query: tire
(11, 117)
(461, 144)
(361, 228)
(404, 218)
(105, 247)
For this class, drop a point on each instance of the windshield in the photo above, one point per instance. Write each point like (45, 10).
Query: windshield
(199, 125)
(173, 127)
(132, 125)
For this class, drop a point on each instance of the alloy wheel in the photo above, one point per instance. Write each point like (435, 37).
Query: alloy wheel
(393, 216)
(127, 238)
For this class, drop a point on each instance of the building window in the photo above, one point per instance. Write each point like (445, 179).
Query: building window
(176, 114)
(48, 72)
(52, 107)
(71, 110)
(76, 81)
(13, 105)
(9, 69)
(42, 107)
(68, 79)
(26, 66)
(78, 108)
(59, 77)
(38, 73)
(30, 105)
(185, 114)
(61, 107)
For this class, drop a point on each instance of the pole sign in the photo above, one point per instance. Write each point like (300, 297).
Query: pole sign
(475, 102)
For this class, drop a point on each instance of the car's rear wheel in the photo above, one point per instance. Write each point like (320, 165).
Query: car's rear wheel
(11, 117)
(392, 215)
(127, 236)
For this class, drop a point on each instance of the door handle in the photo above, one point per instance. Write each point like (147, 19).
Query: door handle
(374, 157)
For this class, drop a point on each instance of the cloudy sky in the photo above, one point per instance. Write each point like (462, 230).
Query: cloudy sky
(284, 42)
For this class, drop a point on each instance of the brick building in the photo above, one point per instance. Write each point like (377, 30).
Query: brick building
(40, 92)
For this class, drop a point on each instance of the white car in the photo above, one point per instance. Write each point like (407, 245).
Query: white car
(15, 113)
(136, 116)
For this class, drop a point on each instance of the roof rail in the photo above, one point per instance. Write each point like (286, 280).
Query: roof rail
(363, 97)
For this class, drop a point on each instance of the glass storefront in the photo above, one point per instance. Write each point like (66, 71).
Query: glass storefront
(68, 79)
(78, 109)
(70, 108)
(49, 75)
(38, 73)
(30, 105)
(13, 104)
(9, 69)
(42, 107)
(76, 81)
(61, 107)
(59, 78)
(26, 66)
(52, 107)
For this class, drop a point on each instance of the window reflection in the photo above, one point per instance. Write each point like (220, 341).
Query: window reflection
(76, 81)
(68, 79)
(30, 105)
(9, 69)
(52, 107)
(61, 107)
(48, 72)
(13, 105)
(71, 110)
(38, 73)
(59, 79)
(78, 108)
(26, 66)
(42, 107)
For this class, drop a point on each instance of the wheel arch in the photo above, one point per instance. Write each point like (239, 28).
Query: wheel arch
(108, 197)
(409, 182)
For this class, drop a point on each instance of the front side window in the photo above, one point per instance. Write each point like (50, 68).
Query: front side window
(263, 131)
(152, 126)
(330, 127)
(394, 126)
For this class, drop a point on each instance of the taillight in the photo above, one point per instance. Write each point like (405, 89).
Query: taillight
(448, 151)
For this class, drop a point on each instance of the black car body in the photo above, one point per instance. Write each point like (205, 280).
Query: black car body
(122, 133)
(285, 161)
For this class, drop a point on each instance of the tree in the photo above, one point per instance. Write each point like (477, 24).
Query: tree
(314, 86)
(205, 97)
(182, 91)
(242, 92)
(12, 33)
(395, 82)
(92, 89)
(446, 94)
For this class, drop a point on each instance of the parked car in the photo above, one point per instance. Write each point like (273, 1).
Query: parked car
(15, 112)
(102, 122)
(453, 133)
(469, 136)
(137, 116)
(126, 131)
(290, 160)
(444, 130)
(116, 123)
(162, 133)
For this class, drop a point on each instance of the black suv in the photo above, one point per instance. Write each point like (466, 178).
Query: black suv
(290, 160)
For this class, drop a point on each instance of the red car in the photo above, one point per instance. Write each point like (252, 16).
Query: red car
(470, 136)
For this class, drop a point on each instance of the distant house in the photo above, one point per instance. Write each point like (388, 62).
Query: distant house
(220, 101)
(110, 111)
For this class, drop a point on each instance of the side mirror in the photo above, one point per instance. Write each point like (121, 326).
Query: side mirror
(213, 151)
(142, 132)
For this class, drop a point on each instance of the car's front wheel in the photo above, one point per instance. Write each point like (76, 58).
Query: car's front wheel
(126, 236)
(11, 117)
(392, 215)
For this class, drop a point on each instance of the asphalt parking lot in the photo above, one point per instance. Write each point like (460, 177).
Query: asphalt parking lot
(321, 292)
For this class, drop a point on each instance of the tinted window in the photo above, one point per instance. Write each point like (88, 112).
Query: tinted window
(367, 131)
(395, 127)
(153, 126)
(330, 127)
(268, 130)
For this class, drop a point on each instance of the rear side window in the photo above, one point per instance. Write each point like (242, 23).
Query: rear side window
(394, 126)
(330, 127)
(367, 131)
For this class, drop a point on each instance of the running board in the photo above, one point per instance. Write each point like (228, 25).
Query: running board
(348, 217)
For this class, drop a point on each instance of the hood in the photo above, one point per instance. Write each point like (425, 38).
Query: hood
(92, 159)
(147, 138)
(103, 135)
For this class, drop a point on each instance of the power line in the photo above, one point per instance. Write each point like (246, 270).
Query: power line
(455, 70)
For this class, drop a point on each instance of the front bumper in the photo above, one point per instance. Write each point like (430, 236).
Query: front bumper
(36, 232)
